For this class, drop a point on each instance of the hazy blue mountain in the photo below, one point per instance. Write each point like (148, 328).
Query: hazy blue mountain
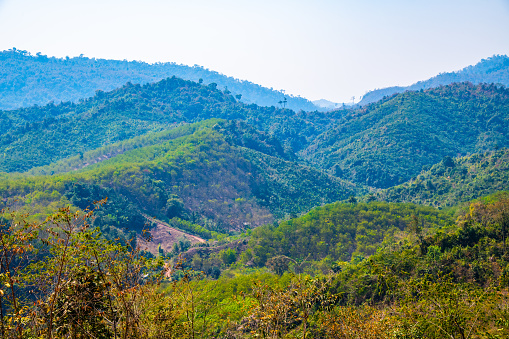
(492, 70)
(39, 135)
(26, 80)
(326, 105)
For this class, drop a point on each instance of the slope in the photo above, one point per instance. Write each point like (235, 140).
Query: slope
(27, 80)
(492, 70)
(454, 180)
(197, 176)
(389, 142)
(38, 136)
(340, 231)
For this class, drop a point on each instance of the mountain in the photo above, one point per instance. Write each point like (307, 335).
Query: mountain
(255, 225)
(27, 80)
(199, 177)
(389, 142)
(325, 104)
(455, 180)
(40, 135)
(492, 70)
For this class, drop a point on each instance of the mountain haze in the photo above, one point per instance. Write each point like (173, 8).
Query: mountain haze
(494, 70)
(27, 80)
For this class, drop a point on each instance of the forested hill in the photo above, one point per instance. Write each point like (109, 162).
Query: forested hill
(38, 136)
(492, 70)
(455, 180)
(191, 173)
(26, 80)
(389, 142)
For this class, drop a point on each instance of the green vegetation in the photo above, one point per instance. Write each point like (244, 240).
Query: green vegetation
(341, 231)
(440, 279)
(493, 70)
(436, 278)
(389, 142)
(455, 180)
(190, 173)
(38, 136)
(253, 239)
(27, 80)
(290, 188)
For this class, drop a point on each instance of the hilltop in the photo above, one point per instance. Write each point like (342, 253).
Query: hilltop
(389, 142)
(27, 80)
(39, 135)
(493, 70)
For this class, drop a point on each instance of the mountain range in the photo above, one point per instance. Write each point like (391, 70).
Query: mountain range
(27, 80)
(147, 147)
(197, 214)
(493, 70)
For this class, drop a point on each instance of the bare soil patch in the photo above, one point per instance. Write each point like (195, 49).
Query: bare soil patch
(165, 236)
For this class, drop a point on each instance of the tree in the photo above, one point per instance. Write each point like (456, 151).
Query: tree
(352, 200)
(228, 256)
(64, 279)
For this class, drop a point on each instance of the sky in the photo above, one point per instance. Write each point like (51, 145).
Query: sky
(331, 49)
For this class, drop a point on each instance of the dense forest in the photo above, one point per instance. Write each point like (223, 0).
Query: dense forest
(428, 277)
(454, 180)
(365, 146)
(391, 141)
(27, 80)
(191, 173)
(67, 129)
(174, 210)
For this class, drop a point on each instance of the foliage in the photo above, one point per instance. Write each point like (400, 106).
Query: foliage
(195, 229)
(61, 279)
(388, 142)
(281, 311)
(438, 280)
(192, 174)
(465, 179)
(440, 308)
(493, 70)
(37, 136)
(340, 231)
(38, 79)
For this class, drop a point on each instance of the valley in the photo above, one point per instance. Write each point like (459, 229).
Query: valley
(176, 203)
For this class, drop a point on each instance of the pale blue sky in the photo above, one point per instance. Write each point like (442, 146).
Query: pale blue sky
(316, 49)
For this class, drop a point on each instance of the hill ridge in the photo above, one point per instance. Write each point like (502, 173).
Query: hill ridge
(27, 79)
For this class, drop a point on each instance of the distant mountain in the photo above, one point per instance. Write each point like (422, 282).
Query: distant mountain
(455, 180)
(492, 70)
(27, 80)
(388, 142)
(38, 136)
(326, 104)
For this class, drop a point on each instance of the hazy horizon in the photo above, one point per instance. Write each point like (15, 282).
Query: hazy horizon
(327, 49)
